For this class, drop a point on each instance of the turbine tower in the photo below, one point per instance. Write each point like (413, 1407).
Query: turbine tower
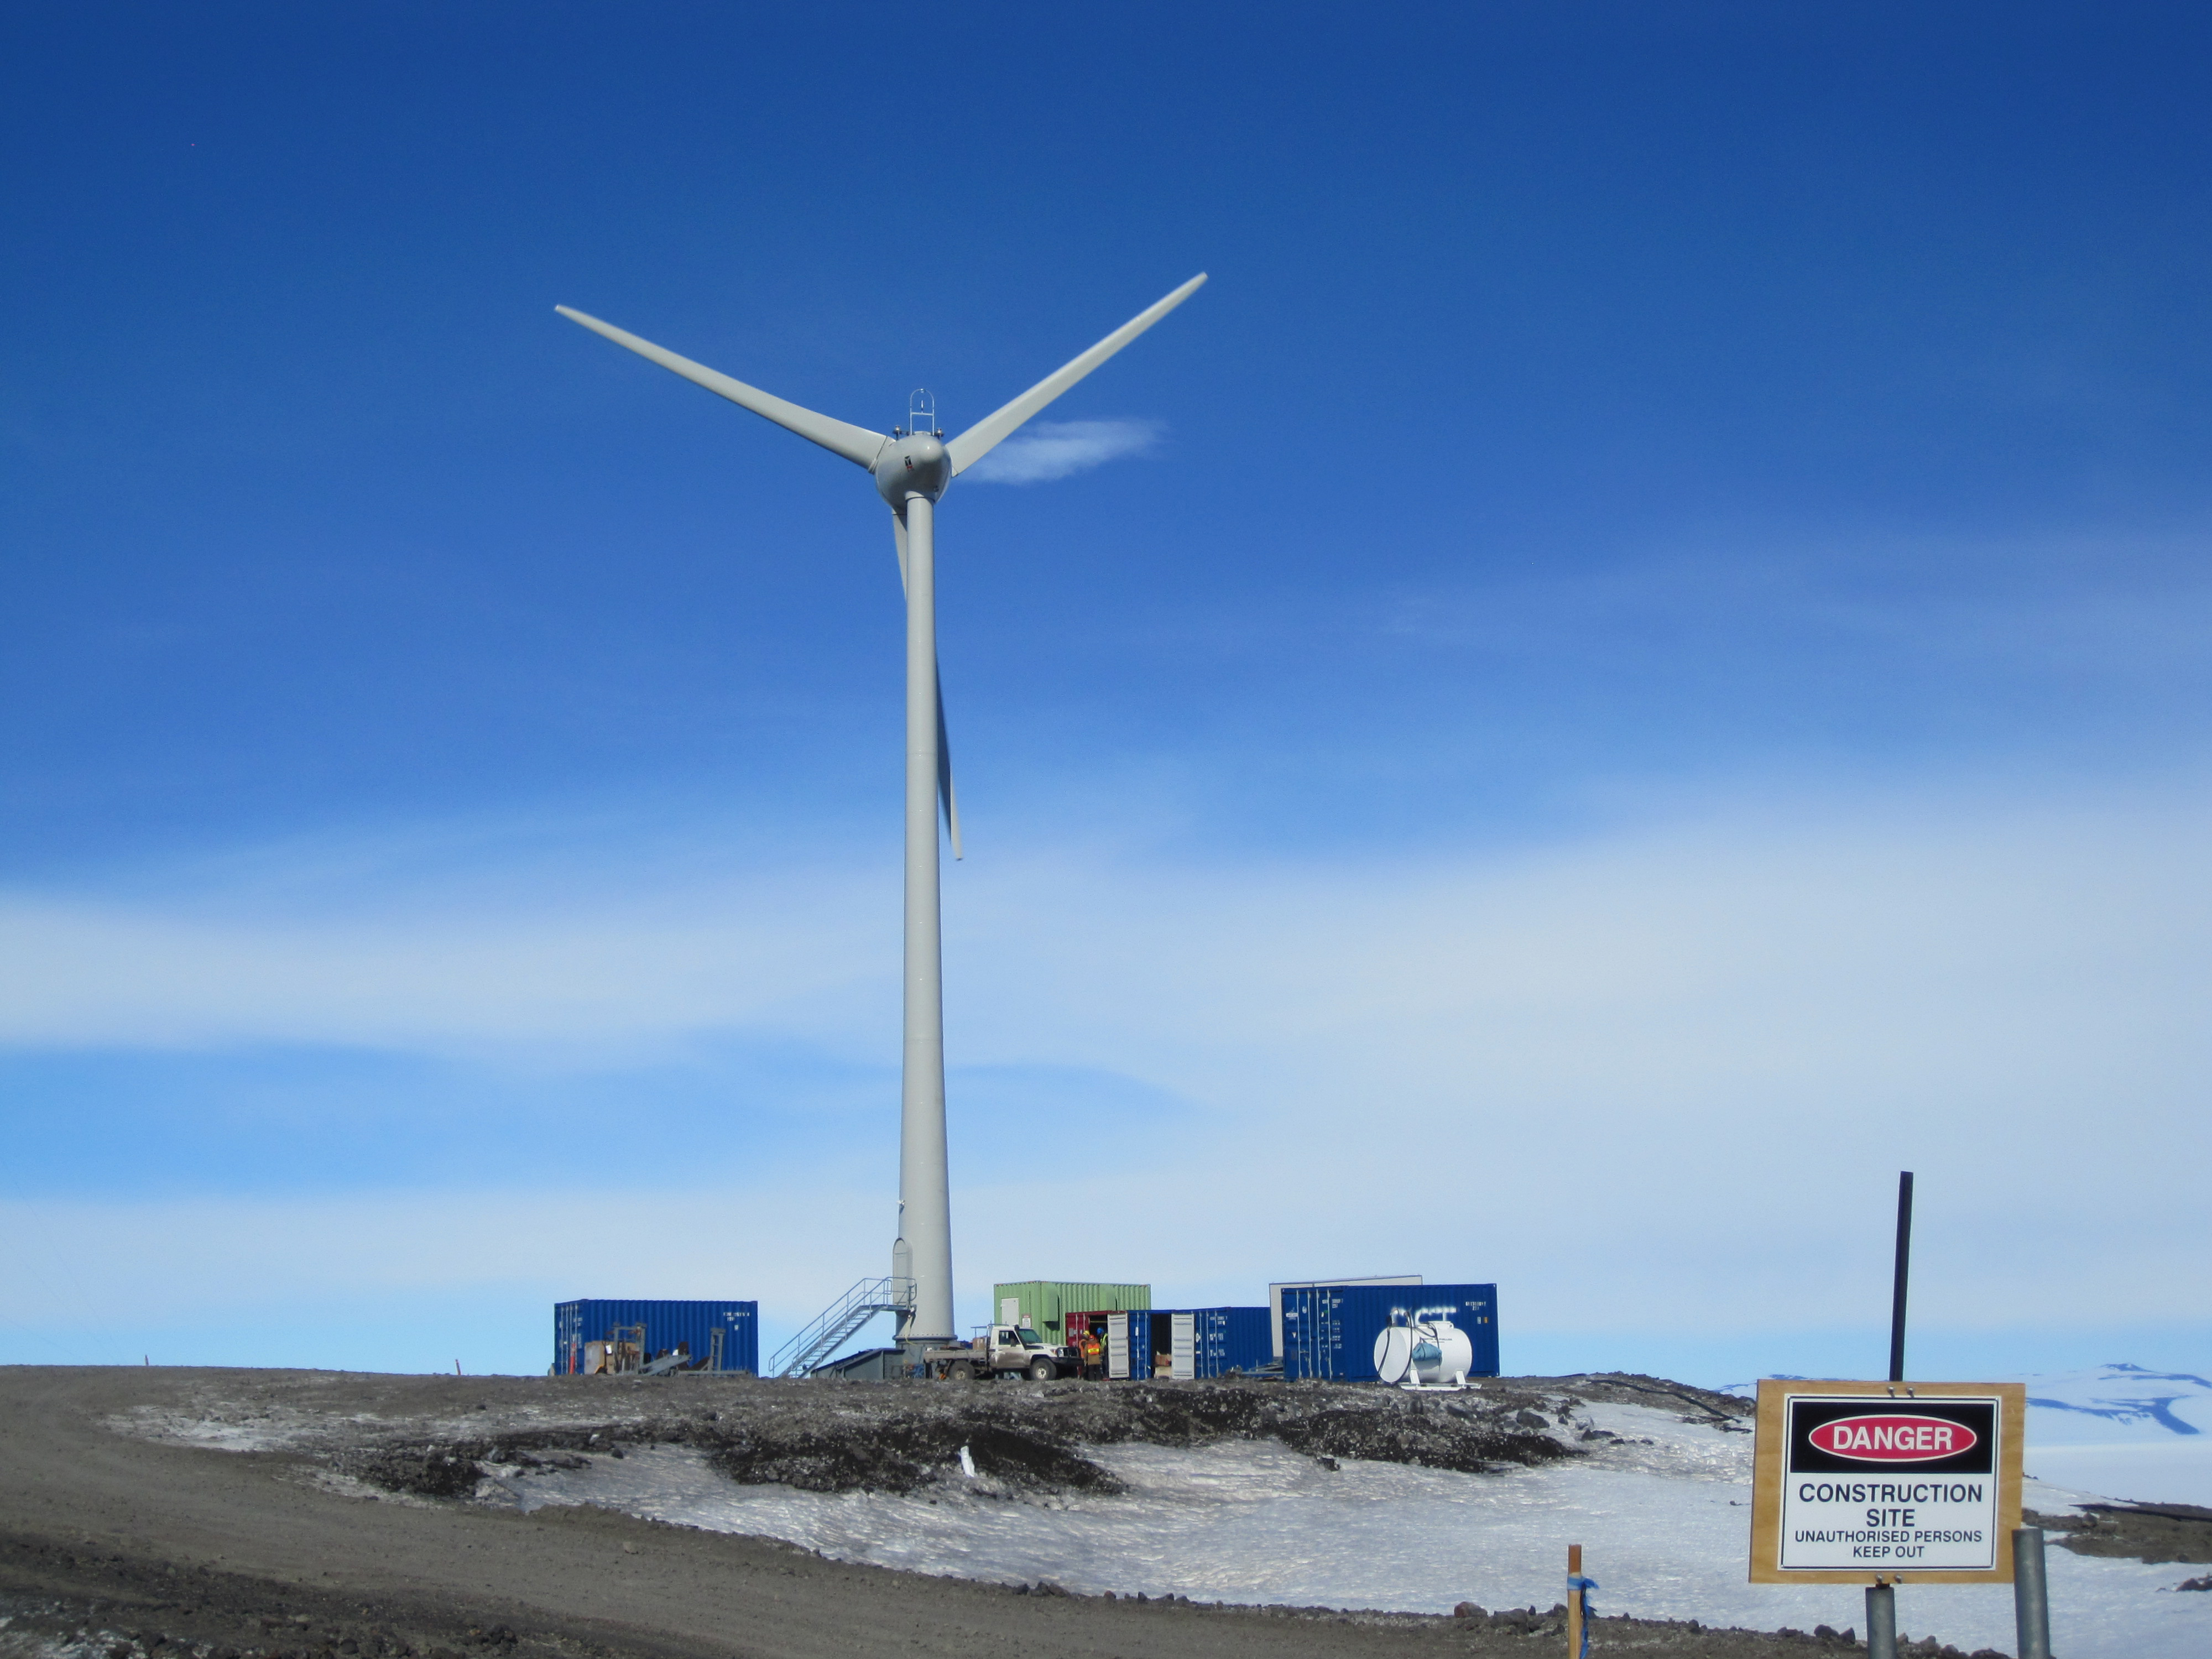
(912, 465)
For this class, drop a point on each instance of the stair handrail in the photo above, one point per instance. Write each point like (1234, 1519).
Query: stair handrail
(867, 1298)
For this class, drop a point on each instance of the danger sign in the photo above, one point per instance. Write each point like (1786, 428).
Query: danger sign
(1867, 1481)
(1889, 1437)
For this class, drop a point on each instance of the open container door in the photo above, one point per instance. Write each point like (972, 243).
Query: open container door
(1182, 1345)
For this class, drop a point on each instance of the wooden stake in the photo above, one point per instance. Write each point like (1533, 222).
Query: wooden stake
(1574, 1602)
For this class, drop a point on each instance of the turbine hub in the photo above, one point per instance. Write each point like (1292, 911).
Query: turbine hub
(913, 463)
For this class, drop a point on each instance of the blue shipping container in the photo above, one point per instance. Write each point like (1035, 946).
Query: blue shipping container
(1221, 1340)
(1233, 1340)
(1330, 1330)
(691, 1325)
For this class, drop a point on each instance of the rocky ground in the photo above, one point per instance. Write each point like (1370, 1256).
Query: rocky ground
(2138, 1532)
(178, 1514)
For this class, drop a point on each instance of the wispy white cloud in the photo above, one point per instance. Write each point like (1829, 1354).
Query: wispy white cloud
(588, 975)
(1045, 450)
(2133, 604)
(1658, 1080)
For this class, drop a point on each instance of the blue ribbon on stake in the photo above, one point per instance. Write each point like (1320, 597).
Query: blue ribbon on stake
(1580, 1587)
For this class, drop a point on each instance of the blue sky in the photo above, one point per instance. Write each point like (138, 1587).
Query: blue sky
(1637, 661)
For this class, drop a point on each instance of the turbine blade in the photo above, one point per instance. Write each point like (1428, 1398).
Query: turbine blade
(945, 796)
(980, 439)
(855, 443)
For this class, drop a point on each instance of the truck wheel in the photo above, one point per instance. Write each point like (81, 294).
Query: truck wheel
(968, 1373)
(1043, 1370)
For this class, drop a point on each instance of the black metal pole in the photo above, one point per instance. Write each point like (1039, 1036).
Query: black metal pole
(1904, 1267)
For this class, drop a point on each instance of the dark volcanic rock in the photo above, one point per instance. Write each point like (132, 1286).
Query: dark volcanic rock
(425, 1470)
(1448, 1443)
(1324, 1421)
(2141, 1532)
(906, 1453)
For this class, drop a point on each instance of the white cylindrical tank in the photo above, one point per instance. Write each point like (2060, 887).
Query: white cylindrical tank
(1428, 1351)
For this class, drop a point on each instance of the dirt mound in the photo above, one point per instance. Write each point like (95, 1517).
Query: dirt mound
(424, 1470)
(1449, 1443)
(905, 1453)
(1382, 1425)
(1185, 1415)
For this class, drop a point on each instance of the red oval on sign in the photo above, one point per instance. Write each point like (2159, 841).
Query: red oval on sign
(1893, 1437)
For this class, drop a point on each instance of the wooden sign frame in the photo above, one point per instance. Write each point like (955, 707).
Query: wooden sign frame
(1769, 1457)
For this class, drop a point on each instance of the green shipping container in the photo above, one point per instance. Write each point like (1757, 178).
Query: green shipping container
(1040, 1303)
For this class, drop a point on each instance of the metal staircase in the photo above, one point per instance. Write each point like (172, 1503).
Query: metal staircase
(837, 1323)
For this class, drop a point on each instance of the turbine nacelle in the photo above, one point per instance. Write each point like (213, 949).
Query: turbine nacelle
(916, 464)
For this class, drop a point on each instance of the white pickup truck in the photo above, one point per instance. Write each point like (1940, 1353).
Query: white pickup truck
(1000, 1351)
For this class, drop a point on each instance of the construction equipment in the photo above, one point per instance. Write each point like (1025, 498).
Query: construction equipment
(622, 1353)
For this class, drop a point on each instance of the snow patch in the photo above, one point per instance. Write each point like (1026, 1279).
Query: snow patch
(1663, 1512)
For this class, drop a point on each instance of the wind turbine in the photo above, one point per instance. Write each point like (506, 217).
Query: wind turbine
(912, 469)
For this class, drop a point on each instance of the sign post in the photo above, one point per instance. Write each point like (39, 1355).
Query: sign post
(1880, 1597)
(1878, 1483)
(2030, 1595)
